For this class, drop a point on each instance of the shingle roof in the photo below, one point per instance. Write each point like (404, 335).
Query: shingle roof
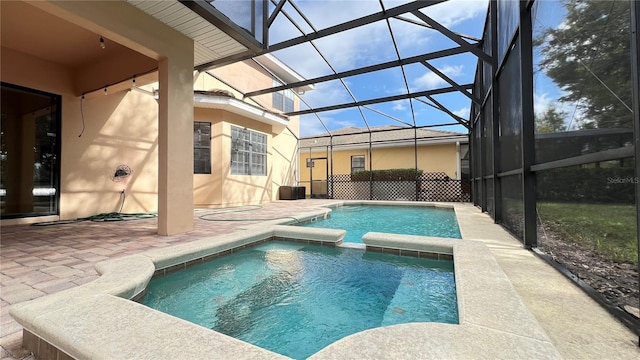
(388, 134)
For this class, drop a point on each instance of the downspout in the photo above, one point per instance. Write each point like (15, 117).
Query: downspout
(458, 165)
(297, 169)
(370, 168)
(310, 175)
(331, 169)
(415, 161)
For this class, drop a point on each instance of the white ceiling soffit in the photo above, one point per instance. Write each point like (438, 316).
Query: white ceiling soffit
(278, 123)
(210, 43)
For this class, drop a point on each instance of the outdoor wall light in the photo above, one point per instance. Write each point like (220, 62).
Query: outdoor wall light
(102, 45)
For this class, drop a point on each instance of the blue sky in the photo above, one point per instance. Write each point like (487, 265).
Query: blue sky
(372, 44)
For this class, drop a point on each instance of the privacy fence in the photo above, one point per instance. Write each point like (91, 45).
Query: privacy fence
(423, 187)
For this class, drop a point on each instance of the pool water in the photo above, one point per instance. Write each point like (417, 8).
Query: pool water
(412, 220)
(295, 299)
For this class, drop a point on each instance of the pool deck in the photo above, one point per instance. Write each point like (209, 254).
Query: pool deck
(36, 261)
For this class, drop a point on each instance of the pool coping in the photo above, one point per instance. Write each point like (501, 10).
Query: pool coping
(96, 320)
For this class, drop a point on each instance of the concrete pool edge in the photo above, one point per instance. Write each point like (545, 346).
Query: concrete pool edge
(92, 321)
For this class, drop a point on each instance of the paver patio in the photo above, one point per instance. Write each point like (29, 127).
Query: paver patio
(40, 260)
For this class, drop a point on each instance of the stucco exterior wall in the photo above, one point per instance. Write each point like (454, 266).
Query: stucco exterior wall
(431, 158)
(245, 76)
(221, 188)
(25, 70)
(153, 136)
(120, 128)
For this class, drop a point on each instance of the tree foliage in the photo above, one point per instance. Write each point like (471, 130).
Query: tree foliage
(551, 121)
(588, 56)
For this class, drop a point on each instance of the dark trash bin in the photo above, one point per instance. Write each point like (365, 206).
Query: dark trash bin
(292, 192)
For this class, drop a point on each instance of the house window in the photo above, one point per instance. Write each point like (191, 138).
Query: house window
(283, 99)
(201, 148)
(248, 152)
(357, 163)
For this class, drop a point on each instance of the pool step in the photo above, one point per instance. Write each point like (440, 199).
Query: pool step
(418, 297)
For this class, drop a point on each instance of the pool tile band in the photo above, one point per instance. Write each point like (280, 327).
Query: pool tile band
(419, 254)
(200, 260)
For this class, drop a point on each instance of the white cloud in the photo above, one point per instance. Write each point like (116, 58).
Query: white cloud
(399, 106)
(463, 113)
(346, 50)
(454, 12)
(310, 125)
(430, 80)
(325, 94)
(541, 102)
(573, 111)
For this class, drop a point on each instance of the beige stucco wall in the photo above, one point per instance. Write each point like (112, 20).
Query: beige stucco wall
(153, 138)
(221, 188)
(245, 76)
(25, 70)
(431, 158)
(120, 128)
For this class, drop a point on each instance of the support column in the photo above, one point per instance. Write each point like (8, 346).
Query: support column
(635, 62)
(175, 139)
(530, 234)
(495, 114)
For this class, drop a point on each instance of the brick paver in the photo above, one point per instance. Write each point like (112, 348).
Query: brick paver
(40, 260)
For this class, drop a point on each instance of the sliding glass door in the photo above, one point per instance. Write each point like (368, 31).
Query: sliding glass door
(29, 152)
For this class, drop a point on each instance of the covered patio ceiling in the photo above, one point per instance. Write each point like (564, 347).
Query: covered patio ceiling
(373, 63)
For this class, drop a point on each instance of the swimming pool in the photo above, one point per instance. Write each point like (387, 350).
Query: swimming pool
(410, 220)
(295, 299)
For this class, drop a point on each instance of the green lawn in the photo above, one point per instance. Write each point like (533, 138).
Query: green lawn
(608, 229)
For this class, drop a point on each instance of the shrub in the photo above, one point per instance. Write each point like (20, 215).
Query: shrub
(387, 175)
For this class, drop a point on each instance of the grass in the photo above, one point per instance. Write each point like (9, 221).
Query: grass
(609, 230)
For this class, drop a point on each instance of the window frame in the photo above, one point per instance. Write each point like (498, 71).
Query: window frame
(253, 146)
(197, 148)
(282, 100)
(358, 168)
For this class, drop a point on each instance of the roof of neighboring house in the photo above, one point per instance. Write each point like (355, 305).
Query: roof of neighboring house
(387, 135)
